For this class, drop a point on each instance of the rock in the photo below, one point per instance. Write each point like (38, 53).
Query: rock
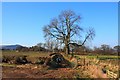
(74, 63)
(104, 71)
(56, 60)
(47, 61)
(21, 60)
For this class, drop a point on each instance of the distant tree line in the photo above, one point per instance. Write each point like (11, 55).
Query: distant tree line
(52, 46)
(106, 49)
(33, 48)
(49, 46)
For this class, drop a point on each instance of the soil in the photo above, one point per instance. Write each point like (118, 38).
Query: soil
(39, 71)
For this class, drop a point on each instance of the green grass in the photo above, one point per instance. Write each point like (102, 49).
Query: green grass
(99, 57)
(6, 64)
(108, 57)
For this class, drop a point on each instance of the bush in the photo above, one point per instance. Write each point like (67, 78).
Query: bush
(7, 59)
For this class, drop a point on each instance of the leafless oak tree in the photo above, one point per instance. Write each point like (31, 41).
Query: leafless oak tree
(65, 27)
(89, 36)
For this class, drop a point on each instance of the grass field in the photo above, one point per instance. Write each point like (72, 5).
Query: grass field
(43, 54)
(31, 54)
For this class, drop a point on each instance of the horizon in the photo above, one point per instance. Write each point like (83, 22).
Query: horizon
(23, 21)
(36, 44)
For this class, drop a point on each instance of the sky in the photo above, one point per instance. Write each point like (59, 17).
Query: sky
(22, 22)
(60, 0)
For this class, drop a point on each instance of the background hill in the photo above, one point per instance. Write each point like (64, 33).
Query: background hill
(10, 47)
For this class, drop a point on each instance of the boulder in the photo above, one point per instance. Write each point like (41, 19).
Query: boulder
(21, 60)
(56, 60)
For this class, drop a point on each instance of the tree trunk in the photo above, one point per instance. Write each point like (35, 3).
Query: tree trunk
(67, 49)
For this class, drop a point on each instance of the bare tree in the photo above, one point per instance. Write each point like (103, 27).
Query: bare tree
(39, 44)
(89, 36)
(49, 44)
(64, 28)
